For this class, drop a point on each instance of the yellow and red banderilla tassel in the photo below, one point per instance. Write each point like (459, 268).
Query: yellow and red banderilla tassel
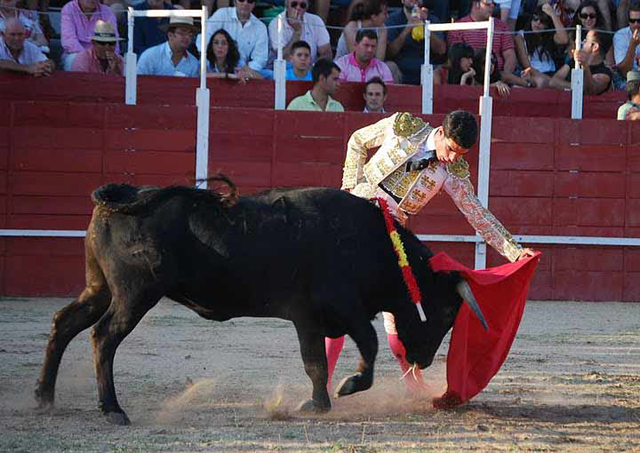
(403, 262)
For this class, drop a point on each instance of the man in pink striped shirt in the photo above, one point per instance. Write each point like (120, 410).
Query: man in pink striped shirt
(361, 65)
(503, 46)
(77, 21)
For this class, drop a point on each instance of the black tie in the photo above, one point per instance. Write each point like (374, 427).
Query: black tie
(421, 164)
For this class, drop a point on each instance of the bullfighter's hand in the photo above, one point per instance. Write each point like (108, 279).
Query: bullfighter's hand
(526, 253)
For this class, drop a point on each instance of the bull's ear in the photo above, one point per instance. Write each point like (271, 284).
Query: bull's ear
(465, 292)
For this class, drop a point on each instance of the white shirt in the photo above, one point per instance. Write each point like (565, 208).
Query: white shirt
(314, 32)
(30, 54)
(252, 37)
(621, 41)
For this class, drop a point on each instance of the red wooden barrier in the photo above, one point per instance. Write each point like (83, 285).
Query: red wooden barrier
(549, 176)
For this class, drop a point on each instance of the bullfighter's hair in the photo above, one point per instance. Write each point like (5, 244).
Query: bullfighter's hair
(126, 199)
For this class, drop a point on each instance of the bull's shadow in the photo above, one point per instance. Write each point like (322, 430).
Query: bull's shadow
(320, 258)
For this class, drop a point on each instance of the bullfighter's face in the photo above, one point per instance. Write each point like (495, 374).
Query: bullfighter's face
(447, 150)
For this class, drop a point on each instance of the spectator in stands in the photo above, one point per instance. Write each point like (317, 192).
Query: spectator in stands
(368, 14)
(322, 7)
(298, 24)
(147, 32)
(538, 49)
(361, 65)
(326, 81)
(18, 54)
(495, 76)
(626, 40)
(597, 76)
(459, 67)
(588, 15)
(630, 110)
(223, 59)
(29, 19)
(171, 58)
(503, 46)
(246, 30)
(101, 57)
(77, 22)
(407, 50)
(509, 10)
(375, 94)
(300, 61)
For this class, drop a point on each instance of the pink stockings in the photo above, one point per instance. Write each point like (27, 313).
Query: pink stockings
(413, 380)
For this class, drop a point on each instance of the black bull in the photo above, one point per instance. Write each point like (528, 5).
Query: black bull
(321, 258)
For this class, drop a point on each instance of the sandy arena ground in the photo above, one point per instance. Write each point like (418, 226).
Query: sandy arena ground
(571, 384)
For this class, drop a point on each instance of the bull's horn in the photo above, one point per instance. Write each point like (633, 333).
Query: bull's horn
(465, 292)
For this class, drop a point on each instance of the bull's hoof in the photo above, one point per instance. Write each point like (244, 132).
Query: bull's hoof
(117, 418)
(44, 403)
(312, 407)
(352, 384)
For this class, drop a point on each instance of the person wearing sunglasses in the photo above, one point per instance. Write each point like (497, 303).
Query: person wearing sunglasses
(249, 33)
(625, 42)
(541, 45)
(300, 25)
(101, 57)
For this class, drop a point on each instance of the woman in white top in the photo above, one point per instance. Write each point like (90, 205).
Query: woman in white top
(368, 14)
(540, 45)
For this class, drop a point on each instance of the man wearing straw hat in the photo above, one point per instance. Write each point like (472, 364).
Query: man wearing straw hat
(171, 58)
(101, 57)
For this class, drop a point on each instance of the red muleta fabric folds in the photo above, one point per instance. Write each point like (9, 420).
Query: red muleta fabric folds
(476, 355)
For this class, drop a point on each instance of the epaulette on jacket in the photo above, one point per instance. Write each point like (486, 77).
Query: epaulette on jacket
(407, 125)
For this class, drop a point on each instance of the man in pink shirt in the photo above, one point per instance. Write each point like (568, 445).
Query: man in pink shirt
(101, 56)
(361, 65)
(78, 20)
(503, 46)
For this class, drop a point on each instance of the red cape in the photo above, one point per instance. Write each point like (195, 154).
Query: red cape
(476, 355)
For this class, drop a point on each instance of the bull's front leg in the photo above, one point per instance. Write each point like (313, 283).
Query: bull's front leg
(366, 339)
(315, 365)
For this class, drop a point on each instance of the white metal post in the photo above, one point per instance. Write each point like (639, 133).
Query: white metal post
(279, 70)
(130, 94)
(484, 160)
(577, 81)
(203, 101)
(427, 73)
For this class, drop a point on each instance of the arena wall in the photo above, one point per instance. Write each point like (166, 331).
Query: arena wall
(550, 175)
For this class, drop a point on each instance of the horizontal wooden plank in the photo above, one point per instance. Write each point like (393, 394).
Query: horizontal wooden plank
(541, 287)
(631, 287)
(596, 158)
(253, 174)
(151, 140)
(588, 259)
(514, 129)
(589, 212)
(245, 122)
(58, 114)
(590, 185)
(56, 276)
(50, 184)
(67, 160)
(313, 124)
(44, 247)
(47, 222)
(306, 149)
(56, 138)
(587, 285)
(50, 205)
(287, 174)
(521, 210)
(155, 117)
(511, 183)
(522, 156)
(149, 162)
(592, 132)
(233, 147)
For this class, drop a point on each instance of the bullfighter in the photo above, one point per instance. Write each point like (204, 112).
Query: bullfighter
(415, 162)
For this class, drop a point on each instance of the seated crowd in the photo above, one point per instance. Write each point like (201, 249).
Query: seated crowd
(534, 44)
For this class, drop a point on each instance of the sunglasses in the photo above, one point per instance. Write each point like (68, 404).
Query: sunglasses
(100, 43)
(585, 16)
(251, 2)
(303, 5)
(634, 21)
(536, 18)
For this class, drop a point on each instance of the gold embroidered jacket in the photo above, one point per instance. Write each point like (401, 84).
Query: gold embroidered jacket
(399, 138)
